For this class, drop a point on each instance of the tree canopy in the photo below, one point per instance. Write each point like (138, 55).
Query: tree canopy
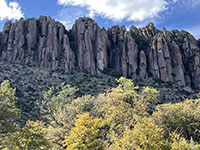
(126, 117)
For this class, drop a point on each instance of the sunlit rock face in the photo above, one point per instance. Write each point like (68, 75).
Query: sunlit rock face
(42, 41)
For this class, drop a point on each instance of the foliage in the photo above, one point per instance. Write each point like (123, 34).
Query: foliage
(86, 134)
(145, 136)
(118, 112)
(64, 120)
(184, 118)
(198, 95)
(55, 99)
(56, 112)
(30, 137)
(179, 143)
(8, 109)
(124, 103)
(123, 118)
(145, 101)
(117, 107)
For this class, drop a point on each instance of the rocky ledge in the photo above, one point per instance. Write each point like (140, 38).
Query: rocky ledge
(137, 53)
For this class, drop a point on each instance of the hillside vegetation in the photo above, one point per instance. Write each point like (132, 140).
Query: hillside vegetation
(125, 117)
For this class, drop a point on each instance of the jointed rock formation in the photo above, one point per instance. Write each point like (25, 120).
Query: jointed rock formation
(43, 42)
(137, 53)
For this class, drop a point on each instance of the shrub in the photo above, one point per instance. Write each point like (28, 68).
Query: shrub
(184, 118)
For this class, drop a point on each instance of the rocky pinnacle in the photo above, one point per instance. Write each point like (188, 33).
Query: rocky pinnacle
(137, 53)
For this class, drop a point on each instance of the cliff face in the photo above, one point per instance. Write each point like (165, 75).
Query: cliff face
(137, 53)
(43, 42)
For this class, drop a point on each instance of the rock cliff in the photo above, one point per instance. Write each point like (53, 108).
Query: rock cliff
(137, 53)
(42, 42)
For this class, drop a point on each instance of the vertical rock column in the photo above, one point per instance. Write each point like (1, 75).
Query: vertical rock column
(54, 48)
(143, 65)
(178, 67)
(43, 42)
(123, 52)
(91, 43)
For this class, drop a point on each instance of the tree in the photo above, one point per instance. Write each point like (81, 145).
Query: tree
(184, 118)
(65, 119)
(145, 101)
(145, 136)
(30, 137)
(53, 111)
(8, 110)
(86, 134)
(54, 99)
(124, 103)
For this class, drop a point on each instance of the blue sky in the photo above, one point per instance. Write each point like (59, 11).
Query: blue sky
(172, 14)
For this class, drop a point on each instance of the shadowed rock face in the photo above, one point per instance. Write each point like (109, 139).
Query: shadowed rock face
(139, 53)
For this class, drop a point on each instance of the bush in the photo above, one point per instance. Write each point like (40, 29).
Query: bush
(124, 102)
(179, 143)
(184, 118)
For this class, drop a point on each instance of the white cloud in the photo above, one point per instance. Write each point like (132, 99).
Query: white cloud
(134, 10)
(10, 10)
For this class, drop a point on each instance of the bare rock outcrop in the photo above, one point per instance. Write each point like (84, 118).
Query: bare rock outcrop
(41, 42)
(137, 53)
(122, 51)
(143, 65)
(91, 46)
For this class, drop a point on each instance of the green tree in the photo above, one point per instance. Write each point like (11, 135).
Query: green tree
(86, 135)
(53, 111)
(65, 119)
(54, 99)
(124, 103)
(8, 110)
(30, 137)
(146, 135)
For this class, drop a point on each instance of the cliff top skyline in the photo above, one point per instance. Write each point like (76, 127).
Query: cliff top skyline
(172, 14)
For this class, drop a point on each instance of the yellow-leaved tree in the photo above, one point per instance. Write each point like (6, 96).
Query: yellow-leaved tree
(182, 118)
(86, 135)
(145, 136)
(124, 103)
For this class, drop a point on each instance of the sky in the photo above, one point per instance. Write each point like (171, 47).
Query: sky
(172, 14)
